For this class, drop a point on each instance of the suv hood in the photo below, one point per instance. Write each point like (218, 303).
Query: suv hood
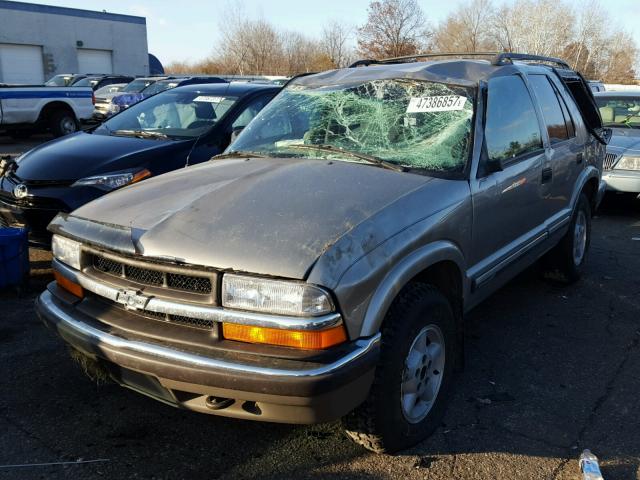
(83, 154)
(624, 139)
(265, 216)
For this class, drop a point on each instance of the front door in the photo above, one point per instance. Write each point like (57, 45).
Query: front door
(508, 218)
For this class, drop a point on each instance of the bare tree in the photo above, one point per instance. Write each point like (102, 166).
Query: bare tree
(394, 28)
(467, 29)
(335, 43)
(541, 27)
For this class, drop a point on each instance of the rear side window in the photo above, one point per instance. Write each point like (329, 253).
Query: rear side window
(551, 111)
(511, 127)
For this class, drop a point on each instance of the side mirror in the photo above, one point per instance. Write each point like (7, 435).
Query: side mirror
(607, 133)
(235, 132)
(494, 165)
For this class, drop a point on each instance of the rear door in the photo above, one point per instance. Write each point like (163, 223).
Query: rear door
(508, 213)
(565, 149)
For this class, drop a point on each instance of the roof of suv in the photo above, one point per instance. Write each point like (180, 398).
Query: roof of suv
(461, 72)
(465, 69)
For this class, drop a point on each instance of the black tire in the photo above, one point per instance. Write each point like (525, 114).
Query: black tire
(561, 263)
(63, 122)
(380, 423)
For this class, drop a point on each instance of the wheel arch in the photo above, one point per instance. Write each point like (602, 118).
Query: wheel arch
(589, 184)
(439, 263)
(51, 107)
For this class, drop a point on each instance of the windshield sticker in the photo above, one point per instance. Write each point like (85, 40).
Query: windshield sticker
(206, 98)
(440, 103)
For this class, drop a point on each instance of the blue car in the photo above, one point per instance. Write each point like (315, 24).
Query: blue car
(173, 129)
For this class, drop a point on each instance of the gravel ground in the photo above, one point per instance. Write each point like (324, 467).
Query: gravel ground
(550, 370)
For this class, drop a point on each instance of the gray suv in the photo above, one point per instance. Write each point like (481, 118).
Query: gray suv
(321, 267)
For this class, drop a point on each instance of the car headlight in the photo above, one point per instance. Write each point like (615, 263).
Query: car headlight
(112, 181)
(628, 163)
(114, 108)
(274, 296)
(66, 251)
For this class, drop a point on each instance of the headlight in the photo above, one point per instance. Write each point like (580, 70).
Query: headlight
(65, 250)
(113, 180)
(274, 296)
(628, 163)
(114, 108)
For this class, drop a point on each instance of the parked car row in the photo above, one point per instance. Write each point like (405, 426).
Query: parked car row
(173, 129)
(108, 104)
(321, 263)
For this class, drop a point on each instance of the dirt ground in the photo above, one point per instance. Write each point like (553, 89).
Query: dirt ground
(550, 370)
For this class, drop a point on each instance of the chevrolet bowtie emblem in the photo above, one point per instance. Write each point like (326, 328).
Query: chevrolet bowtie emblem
(132, 299)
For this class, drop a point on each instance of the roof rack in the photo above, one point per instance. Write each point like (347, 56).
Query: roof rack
(403, 59)
(507, 57)
(499, 58)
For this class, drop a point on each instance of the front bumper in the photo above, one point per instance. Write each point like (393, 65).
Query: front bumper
(622, 180)
(269, 389)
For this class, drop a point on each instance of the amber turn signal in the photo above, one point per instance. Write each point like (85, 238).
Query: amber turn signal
(141, 175)
(306, 339)
(68, 285)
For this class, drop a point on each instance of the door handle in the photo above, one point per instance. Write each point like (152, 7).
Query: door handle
(579, 158)
(547, 174)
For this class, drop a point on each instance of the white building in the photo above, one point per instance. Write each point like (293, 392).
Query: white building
(39, 41)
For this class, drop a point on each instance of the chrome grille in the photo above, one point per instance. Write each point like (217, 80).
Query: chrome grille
(177, 319)
(609, 160)
(156, 275)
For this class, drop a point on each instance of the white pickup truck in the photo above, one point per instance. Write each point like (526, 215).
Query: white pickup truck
(25, 108)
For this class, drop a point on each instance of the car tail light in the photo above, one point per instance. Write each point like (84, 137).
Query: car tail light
(306, 339)
(93, 98)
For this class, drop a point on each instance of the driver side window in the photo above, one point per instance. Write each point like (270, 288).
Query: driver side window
(511, 127)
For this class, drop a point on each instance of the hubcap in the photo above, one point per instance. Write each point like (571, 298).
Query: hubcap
(579, 238)
(422, 376)
(68, 125)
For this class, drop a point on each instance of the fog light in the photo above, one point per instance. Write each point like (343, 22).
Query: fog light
(310, 340)
(68, 285)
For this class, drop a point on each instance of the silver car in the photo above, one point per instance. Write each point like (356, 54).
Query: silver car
(322, 267)
(621, 112)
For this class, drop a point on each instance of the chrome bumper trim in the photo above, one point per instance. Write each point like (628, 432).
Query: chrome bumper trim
(215, 314)
(68, 325)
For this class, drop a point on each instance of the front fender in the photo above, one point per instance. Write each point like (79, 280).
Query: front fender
(401, 274)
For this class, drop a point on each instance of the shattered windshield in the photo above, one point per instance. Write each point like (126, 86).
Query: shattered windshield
(411, 123)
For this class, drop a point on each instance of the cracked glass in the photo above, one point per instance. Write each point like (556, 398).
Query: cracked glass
(411, 123)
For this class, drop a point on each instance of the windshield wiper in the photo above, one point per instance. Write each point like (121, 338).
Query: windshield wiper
(238, 154)
(139, 134)
(362, 156)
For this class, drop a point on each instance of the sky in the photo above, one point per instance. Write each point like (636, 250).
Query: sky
(188, 30)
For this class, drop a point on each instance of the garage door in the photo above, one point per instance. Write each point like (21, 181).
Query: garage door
(21, 64)
(94, 61)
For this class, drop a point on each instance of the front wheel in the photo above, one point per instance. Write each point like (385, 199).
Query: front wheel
(413, 378)
(567, 259)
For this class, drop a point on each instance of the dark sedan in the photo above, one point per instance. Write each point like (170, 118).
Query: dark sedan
(174, 129)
